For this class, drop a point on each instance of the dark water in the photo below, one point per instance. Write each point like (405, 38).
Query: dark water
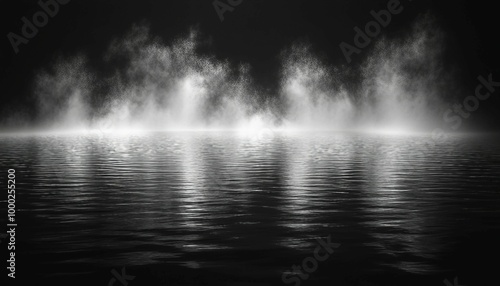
(202, 208)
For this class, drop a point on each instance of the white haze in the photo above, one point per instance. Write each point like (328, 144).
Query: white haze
(159, 86)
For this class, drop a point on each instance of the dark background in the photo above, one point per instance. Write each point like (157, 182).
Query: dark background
(255, 33)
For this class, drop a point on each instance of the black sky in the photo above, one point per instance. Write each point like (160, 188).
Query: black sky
(255, 33)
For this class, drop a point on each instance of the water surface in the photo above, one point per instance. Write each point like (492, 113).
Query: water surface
(247, 208)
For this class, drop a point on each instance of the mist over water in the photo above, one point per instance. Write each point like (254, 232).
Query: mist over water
(218, 208)
(159, 86)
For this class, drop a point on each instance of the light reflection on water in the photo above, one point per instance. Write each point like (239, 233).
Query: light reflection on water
(221, 200)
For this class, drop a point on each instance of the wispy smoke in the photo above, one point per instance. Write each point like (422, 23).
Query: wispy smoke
(401, 85)
(404, 83)
(63, 93)
(313, 92)
(176, 87)
(163, 86)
